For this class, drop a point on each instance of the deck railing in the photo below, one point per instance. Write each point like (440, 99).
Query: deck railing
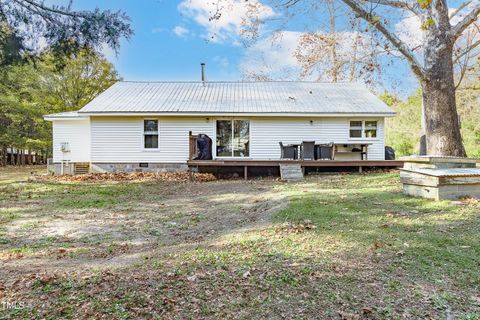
(192, 145)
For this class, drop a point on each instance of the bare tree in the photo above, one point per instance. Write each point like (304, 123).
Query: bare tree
(337, 55)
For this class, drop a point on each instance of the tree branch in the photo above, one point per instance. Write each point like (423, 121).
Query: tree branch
(394, 40)
(470, 18)
(40, 6)
(462, 6)
(396, 4)
(466, 51)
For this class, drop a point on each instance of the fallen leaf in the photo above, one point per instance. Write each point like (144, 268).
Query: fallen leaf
(348, 316)
(367, 310)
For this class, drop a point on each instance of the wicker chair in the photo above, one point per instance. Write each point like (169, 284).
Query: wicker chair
(288, 152)
(324, 151)
(308, 150)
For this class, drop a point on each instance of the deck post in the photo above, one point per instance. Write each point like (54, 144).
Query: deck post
(245, 172)
(360, 169)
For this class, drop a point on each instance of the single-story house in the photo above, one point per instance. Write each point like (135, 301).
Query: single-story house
(147, 125)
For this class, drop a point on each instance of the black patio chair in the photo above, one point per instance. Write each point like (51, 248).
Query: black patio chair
(288, 152)
(308, 150)
(325, 151)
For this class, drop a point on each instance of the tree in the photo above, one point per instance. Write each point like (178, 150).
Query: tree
(79, 78)
(69, 75)
(34, 21)
(11, 47)
(337, 55)
(328, 50)
(29, 91)
(436, 73)
(19, 114)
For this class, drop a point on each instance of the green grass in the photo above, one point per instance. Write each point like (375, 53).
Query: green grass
(345, 244)
(423, 237)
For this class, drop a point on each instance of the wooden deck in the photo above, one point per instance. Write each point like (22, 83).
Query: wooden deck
(360, 164)
(303, 163)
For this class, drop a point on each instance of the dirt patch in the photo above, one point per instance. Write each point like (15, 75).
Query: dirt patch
(142, 218)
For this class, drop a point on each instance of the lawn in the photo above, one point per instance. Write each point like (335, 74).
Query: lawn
(331, 247)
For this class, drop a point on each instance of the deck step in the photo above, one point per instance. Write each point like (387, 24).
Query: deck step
(81, 168)
(291, 172)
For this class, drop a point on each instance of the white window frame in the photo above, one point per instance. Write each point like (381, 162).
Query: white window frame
(363, 137)
(151, 133)
(214, 147)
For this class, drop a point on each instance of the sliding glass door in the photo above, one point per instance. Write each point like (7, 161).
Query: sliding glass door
(233, 138)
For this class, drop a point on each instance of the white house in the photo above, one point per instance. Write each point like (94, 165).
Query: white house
(145, 125)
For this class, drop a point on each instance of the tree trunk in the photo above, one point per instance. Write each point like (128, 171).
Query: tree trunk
(442, 127)
(441, 119)
(4, 155)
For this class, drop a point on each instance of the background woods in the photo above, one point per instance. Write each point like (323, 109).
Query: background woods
(31, 89)
(50, 61)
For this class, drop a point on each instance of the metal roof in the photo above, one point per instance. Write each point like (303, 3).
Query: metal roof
(237, 98)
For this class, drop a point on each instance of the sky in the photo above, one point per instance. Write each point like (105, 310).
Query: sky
(167, 45)
(172, 38)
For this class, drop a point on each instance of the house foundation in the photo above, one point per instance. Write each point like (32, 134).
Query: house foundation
(138, 167)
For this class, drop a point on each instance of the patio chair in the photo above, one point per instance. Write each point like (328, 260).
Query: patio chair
(325, 151)
(308, 150)
(288, 152)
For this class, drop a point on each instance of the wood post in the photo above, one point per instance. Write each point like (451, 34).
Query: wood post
(192, 146)
(245, 172)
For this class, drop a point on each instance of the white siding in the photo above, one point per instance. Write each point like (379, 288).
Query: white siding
(77, 134)
(265, 135)
(120, 140)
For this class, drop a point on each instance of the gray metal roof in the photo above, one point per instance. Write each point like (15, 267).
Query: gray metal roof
(237, 97)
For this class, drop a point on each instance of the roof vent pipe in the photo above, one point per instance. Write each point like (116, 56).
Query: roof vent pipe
(203, 72)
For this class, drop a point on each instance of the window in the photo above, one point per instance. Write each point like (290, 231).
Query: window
(233, 138)
(355, 129)
(150, 134)
(370, 129)
(363, 129)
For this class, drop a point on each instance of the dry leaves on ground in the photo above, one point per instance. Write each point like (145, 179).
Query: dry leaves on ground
(132, 176)
(297, 227)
